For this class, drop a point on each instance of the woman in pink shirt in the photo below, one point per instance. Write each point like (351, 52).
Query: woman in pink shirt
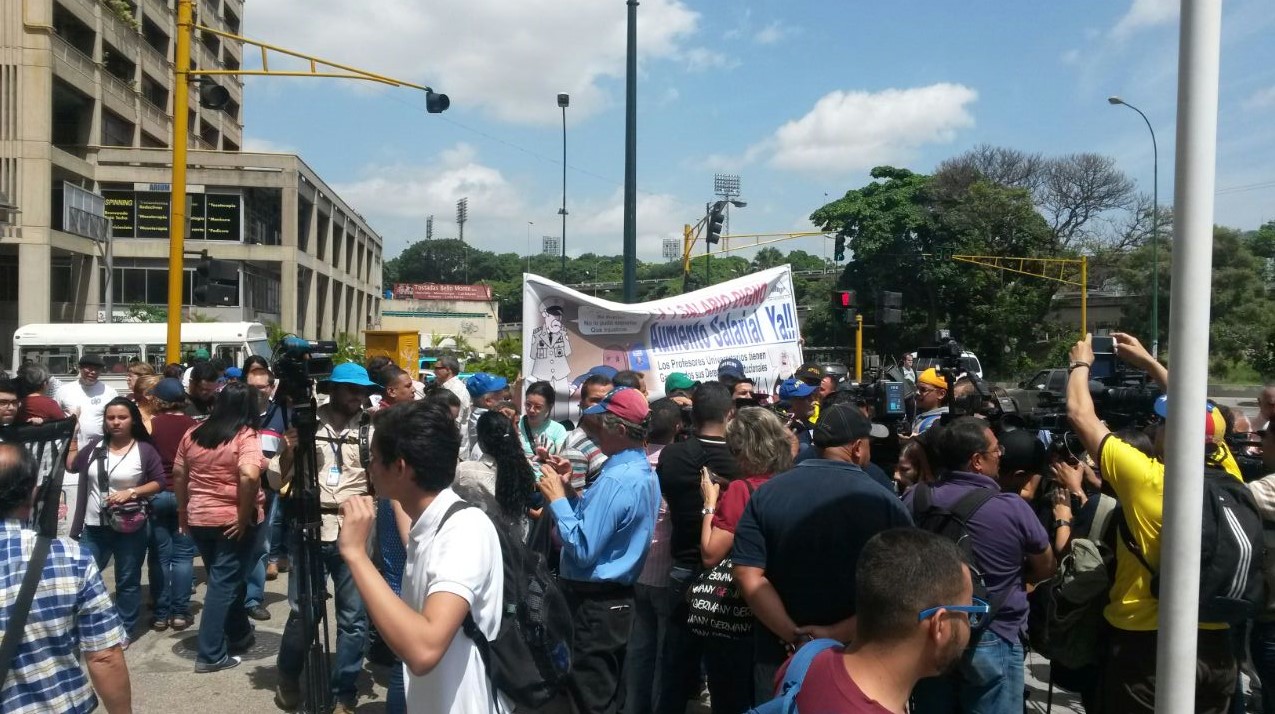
(217, 478)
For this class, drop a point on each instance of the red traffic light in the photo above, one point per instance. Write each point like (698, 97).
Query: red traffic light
(843, 299)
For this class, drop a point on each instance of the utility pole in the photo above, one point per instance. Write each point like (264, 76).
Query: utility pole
(630, 161)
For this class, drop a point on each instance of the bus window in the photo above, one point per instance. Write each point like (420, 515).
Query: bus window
(116, 357)
(228, 354)
(61, 361)
(189, 348)
(155, 354)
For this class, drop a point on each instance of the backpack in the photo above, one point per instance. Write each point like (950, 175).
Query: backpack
(1065, 619)
(1232, 549)
(529, 661)
(786, 702)
(953, 524)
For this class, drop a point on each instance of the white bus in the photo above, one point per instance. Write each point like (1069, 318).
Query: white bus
(60, 346)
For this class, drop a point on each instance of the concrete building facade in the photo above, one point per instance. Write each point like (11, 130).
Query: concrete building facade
(86, 102)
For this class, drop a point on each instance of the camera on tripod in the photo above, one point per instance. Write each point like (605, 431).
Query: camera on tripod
(298, 362)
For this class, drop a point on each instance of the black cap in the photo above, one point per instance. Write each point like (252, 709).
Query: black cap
(1023, 451)
(92, 360)
(844, 424)
(810, 372)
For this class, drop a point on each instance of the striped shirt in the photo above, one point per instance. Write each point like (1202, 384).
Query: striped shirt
(71, 611)
(585, 457)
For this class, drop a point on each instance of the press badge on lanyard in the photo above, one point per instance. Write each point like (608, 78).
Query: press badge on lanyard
(334, 471)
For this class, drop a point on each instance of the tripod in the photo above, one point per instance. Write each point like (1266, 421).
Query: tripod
(302, 514)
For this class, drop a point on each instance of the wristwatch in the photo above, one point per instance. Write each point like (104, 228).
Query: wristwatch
(1059, 523)
(1077, 365)
(706, 511)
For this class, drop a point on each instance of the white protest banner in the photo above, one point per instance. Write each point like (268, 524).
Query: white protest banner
(567, 334)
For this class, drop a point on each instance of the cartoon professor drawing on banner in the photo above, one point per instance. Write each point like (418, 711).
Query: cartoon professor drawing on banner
(550, 346)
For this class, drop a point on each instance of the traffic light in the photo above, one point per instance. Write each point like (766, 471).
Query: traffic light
(843, 300)
(839, 249)
(212, 95)
(716, 217)
(436, 103)
(216, 283)
(890, 308)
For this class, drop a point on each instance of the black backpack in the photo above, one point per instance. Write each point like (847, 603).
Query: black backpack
(530, 659)
(953, 524)
(1232, 548)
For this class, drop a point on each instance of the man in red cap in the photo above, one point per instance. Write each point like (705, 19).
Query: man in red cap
(605, 534)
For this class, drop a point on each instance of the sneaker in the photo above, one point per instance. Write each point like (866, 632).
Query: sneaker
(272, 571)
(159, 624)
(287, 694)
(258, 612)
(179, 622)
(284, 565)
(226, 663)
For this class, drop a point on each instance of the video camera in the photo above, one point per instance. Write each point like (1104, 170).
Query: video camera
(298, 362)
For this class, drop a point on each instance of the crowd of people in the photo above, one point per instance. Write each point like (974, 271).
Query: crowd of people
(699, 539)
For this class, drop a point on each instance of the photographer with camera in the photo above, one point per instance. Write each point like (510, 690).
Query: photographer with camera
(344, 437)
(931, 393)
(1133, 613)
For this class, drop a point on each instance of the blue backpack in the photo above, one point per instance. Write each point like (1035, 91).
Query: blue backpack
(786, 702)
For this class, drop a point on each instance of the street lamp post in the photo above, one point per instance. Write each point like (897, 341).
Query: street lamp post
(1155, 229)
(630, 157)
(564, 101)
(529, 225)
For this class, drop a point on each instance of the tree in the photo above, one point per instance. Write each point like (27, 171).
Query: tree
(903, 228)
(1072, 192)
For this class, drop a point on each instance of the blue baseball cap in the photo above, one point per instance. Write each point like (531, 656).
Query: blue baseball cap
(234, 373)
(348, 373)
(604, 370)
(793, 388)
(730, 367)
(485, 383)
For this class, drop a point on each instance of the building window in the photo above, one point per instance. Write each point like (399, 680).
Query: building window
(144, 286)
(116, 131)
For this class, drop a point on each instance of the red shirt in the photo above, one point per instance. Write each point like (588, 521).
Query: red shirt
(167, 430)
(38, 405)
(731, 505)
(829, 689)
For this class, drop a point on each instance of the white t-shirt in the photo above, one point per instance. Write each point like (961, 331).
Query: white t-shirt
(123, 472)
(463, 559)
(87, 402)
(457, 387)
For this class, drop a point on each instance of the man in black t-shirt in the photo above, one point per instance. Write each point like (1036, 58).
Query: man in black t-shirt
(679, 473)
(798, 542)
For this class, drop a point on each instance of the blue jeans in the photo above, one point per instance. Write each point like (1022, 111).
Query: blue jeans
(351, 622)
(172, 560)
(682, 652)
(274, 516)
(255, 588)
(651, 608)
(128, 549)
(223, 619)
(1262, 649)
(990, 681)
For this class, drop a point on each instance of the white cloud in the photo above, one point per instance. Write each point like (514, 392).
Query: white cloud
(1146, 13)
(852, 131)
(1261, 99)
(253, 144)
(510, 59)
(599, 225)
(772, 33)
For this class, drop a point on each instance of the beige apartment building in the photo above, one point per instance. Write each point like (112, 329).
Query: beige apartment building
(86, 101)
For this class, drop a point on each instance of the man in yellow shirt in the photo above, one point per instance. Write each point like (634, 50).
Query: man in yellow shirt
(1133, 612)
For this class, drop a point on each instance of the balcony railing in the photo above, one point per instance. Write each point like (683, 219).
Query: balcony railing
(79, 61)
(118, 88)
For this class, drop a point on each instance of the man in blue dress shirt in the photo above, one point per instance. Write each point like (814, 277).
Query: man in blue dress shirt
(605, 535)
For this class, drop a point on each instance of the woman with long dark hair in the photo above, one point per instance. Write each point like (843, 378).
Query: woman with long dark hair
(537, 428)
(119, 473)
(503, 472)
(217, 480)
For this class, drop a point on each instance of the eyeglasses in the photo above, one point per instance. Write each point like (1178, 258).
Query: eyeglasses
(12, 403)
(976, 612)
(999, 450)
(923, 390)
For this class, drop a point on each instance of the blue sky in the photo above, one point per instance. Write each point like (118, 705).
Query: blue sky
(798, 98)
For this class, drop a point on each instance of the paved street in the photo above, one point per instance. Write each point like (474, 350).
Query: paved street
(161, 666)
